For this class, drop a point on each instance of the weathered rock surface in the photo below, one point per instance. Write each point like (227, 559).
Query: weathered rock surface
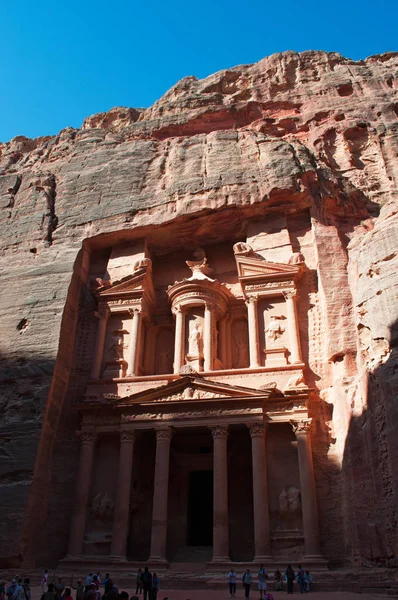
(311, 133)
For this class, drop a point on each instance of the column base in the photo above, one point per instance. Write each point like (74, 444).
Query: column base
(220, 559)
(158, 560)
(117, 558)
(263, 558)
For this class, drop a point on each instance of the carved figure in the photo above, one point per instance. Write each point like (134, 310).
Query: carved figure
(294, 499)
(142, 263)
(283, 502)
(296, 381)
(289, 501)
(102, 505)
(296, 259)
(195, 340)
(274, 329)
(117, 345)
(241, 352)
(164, 361)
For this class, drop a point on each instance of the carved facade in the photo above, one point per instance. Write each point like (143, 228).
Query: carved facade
(215, 356)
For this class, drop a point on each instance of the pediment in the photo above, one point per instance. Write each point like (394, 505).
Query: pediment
(252, 267)
(135, 285)
(191, 389)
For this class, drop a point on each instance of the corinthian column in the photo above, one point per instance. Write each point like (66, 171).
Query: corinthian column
(122, 508)
(220, 507)
(83, 482)
(254, 343)
(133, 358)
(307, 485)
(208, 346)
(179, 341)
(103, 316)
(160, 495)
(292, 323)
(262, 540)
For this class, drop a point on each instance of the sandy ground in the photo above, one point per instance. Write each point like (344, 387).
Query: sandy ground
(224, 595)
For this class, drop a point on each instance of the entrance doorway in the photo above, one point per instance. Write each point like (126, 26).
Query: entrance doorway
(200, 508)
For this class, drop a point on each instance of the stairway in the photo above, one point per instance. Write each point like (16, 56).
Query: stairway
(192, 555)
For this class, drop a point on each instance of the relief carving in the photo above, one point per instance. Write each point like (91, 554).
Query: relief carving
(195, 341)
(275, 329)
(242, 248)
(102, 506)
(289, 501)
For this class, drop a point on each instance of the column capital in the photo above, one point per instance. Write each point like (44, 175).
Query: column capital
(177, 309)
(87, 437)
(219, 431)
(127, 435)
(251, 299)
(257, 429)
(134, 310)
(164, 434)
(301, 426)
(103, 311)
(288, 294)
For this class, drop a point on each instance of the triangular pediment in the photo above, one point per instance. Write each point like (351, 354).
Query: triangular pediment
(135, 286)
(191, 389)
(252, 267)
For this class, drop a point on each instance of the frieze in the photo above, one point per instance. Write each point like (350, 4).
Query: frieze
(123, 302)
(195, 414)
(187, 394)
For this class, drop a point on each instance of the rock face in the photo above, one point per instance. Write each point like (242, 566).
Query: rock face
(303, 145)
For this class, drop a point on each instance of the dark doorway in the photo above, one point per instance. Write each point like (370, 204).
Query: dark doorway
(200, 508)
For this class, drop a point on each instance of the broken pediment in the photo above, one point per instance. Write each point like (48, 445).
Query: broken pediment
(133, 286)
(191, 388)
(252, 267)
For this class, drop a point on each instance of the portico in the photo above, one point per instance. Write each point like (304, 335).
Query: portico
(206, 420)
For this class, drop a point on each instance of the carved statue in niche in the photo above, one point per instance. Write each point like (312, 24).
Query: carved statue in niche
(275, 329)
(117, 345)
(164, 360)
(115, 364)
(102, 506)
(195, 341)
(240, 345)
(289, 501)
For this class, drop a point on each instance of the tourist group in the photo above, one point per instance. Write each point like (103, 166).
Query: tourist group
(147, 584)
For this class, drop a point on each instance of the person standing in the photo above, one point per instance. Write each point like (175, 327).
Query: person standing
(138, 589)
(49, 594)
(262, 581)
(67, 594)
(88, 581)
(308, 581)
(19, 593)
(290, 575)
(155, 586)
(301, 579)
(232, 582)
(278, 585)
(44, 581)
(79, 590)
(247, 581)
(146, 578)
(11, 589)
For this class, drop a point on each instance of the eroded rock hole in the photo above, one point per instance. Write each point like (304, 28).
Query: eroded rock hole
(345, 89)
(23, 324)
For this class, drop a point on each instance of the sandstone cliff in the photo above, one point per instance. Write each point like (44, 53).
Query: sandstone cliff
(310, 133)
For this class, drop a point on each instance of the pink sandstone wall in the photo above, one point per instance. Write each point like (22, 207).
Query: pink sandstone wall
(305, 143)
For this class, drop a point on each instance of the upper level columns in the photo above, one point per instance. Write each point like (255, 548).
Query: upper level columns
(103, 316)
(220, 505)
(83, 482)
(294, 333)
(208, 346)
(135, 346)
(179, 342)
(307, 484)
(160, 495)
(254, 344)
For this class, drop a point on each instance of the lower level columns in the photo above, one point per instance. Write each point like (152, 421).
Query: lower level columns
(78, 525)
(122, 508)
(307, 484)
(220, 507)
(262, 539)
(160, 496)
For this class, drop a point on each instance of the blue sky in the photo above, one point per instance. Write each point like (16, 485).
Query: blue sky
(64, 60)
